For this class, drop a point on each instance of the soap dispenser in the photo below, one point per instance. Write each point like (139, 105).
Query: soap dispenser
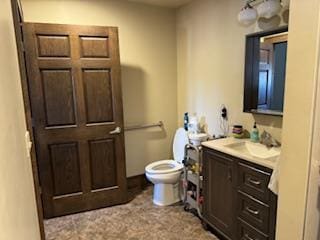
(254, 136)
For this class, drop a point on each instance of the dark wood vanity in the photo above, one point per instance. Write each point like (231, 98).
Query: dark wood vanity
(237, 202)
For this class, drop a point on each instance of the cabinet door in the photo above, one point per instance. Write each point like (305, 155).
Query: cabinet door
(218, 192)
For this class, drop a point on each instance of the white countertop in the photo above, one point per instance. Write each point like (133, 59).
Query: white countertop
(220, 145)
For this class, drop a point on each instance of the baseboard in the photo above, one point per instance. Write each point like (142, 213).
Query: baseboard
(136, 185)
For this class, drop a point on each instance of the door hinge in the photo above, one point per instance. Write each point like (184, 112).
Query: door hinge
(22, 47)
(40, 190)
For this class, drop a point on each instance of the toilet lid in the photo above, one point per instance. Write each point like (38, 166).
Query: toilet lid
(179, 142)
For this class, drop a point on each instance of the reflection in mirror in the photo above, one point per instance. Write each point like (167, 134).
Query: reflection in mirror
(272, 72)
(265, 71)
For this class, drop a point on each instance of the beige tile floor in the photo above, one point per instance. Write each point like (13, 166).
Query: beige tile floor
(137, 220)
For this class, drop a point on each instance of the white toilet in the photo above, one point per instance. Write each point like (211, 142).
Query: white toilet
(166, 174)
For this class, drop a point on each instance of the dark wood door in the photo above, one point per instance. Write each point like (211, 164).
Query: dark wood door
(218, 192)
(265, 75)
(76, 103)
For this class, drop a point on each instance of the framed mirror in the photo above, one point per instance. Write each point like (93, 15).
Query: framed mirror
(265, 71)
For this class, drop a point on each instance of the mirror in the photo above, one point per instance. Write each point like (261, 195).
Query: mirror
(265, 71)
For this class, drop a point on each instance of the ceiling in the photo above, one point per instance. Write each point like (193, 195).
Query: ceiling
(164, 3)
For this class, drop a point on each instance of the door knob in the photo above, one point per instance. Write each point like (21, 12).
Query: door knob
(117, 130)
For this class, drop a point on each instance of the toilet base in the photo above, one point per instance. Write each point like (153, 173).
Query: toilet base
(166, 194)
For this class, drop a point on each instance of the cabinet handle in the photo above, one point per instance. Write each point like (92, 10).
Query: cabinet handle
(252, 211)
(254, 182)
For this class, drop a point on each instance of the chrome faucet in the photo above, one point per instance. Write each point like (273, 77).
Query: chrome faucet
(268, 140)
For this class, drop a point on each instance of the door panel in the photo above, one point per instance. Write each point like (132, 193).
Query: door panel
(65, 168)
(263, 88)
(53, 46)
(75, 92)
(59, 111)
(218, 192)
(98, 95)
(94, 47)
(102, 156)
(265, 75)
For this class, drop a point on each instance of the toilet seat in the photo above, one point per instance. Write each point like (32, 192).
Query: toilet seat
(163, 167)
(170, 166)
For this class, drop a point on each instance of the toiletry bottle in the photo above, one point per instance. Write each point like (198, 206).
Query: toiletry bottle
(186, 121)
(254, 136)
(193, 126)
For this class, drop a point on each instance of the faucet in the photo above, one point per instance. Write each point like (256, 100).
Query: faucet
(268, 140)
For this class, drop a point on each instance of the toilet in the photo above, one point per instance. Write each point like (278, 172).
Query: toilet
(166, 174)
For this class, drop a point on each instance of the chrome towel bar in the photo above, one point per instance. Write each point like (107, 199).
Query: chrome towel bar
(136, 127)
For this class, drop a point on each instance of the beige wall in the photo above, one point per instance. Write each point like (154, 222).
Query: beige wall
(297, 123)
(211, 50)
(18, 214)
(148, 58)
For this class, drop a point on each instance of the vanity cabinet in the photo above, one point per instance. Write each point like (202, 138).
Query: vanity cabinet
(218, 191)
(237, 202)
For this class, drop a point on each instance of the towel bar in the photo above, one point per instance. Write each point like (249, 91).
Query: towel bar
(136, 127)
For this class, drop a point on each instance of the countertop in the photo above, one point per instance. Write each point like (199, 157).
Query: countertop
(220, 145)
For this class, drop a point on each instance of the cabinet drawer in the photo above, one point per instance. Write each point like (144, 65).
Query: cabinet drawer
(254, 182)
(246, 232)
(253, 212)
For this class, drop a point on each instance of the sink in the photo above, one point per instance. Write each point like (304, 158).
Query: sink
(197, 138)
(254, 149)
